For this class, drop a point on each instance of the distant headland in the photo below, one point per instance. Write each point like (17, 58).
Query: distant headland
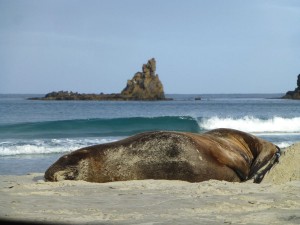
(294, 94)
(144, 85)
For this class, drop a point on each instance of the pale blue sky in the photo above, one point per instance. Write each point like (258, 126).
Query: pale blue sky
(212, 46)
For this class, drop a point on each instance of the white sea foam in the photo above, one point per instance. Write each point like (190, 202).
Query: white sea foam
(48, 146)
(253, 124)
(283, 144)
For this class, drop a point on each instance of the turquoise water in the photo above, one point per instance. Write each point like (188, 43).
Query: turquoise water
(33, 134)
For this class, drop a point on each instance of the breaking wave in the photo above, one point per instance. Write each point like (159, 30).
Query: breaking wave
(253, 124)
(51, 137)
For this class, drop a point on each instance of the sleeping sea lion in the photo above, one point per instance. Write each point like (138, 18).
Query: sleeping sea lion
(221, 154)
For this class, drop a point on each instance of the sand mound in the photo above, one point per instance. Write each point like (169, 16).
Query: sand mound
(288, 168)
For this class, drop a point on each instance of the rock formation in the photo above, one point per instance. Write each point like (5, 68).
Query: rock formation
(143, 86)
(294, 94)
(69, 95)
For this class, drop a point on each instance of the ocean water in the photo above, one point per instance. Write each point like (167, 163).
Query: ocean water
(34, 134)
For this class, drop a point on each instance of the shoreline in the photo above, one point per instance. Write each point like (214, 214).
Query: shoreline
(276, 200)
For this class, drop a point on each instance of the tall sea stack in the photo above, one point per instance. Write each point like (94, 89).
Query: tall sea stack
(145, 85)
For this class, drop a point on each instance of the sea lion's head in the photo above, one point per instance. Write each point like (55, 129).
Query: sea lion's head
(72, 166)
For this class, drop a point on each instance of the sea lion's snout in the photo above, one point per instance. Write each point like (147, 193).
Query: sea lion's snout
(61, 171)
(66, 167)
(59, 175)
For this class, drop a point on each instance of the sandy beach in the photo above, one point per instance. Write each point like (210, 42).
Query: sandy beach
(275, 201)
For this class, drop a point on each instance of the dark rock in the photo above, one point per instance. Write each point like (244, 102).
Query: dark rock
(294, 94)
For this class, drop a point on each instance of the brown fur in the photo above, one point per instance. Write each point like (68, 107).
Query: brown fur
(222, 154)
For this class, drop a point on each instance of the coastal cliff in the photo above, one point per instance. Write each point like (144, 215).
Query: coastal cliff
(294, 94)
(144, 85)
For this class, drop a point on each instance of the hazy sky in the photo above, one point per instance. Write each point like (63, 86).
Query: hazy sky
(201, 46)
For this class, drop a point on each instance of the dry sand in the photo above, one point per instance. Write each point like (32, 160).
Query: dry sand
(275, 201)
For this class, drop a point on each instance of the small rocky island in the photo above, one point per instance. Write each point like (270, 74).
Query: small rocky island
(144, 85)
(294, 94)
